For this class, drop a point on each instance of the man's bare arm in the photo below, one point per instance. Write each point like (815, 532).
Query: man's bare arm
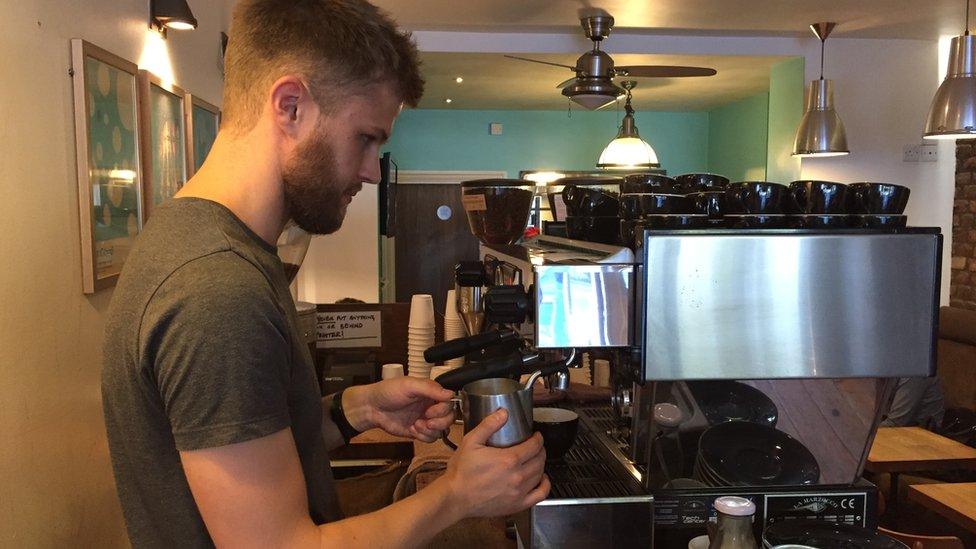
(253, 494)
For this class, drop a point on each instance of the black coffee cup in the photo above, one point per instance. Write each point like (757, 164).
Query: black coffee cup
(583, 201)
(633, 206)
(558, 427)
(823, 221)
(758, 197)
(877, 198)
(698, 182)
(871, 221)
(714, 204)
(648, 183)
(675, 221)
(820, 197)
(600, 229)
(761, 221)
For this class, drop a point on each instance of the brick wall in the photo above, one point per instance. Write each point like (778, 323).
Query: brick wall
(963, 289)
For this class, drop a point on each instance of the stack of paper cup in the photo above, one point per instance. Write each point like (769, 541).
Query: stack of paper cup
(582, 375)
(392, 370)
(420, 335)
(453, 326)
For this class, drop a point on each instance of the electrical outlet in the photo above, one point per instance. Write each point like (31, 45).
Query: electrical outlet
(921, 152)
(913, 153)
(495, 128)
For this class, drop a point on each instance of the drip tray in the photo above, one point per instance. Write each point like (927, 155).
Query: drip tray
(584, 472)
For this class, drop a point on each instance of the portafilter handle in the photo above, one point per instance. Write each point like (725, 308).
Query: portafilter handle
(463, 345)
(470, 273)
(505, 366)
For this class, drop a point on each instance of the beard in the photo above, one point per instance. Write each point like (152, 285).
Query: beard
(314, 190)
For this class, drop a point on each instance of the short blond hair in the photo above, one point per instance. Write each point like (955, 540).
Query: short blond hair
(339, 47)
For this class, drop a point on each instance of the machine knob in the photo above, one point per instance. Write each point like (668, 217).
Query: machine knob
(470, 273)
(507, 305)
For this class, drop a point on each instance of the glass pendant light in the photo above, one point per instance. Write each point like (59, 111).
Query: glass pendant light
(820, 133)
(953, 111)
(628, 150)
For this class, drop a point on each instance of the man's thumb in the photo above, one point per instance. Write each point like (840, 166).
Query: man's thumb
(488, 426)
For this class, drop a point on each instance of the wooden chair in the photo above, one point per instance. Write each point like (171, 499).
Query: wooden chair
(916, 541)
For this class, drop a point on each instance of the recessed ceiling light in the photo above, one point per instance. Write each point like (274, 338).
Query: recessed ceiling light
(459, 80)
(448, 100)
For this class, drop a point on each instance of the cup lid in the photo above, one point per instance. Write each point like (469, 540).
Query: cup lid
(735, 506)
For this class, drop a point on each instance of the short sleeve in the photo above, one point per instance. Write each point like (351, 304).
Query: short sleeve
(216, 343)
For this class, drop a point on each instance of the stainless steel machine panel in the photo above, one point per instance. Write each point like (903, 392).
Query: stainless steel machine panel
(583, 305)
(789, 305)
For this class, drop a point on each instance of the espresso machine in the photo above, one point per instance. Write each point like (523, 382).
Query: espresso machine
(749, 362)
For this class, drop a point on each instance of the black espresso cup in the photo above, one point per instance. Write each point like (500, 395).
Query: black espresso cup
(758, 197)
(819, 197)
(600, 229)
(698, 182)
(583, 201)
(558, 427)
(648, 183)
(877, 198)
(634, 206)
(714, 204)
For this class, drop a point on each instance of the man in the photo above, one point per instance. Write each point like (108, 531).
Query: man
(216, 429)
(916, 402)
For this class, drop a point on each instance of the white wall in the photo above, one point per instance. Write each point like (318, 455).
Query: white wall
(54, 467)
(345, 263)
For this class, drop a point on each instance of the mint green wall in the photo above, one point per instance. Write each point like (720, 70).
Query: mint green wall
(737, 139)
(786, 85)
(438, 139)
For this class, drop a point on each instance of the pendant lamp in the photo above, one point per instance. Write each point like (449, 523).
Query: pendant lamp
(953, 111)
(821, 133)
(628, 150)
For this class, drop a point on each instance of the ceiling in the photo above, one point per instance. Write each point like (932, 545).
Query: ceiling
(492, 81)
(918, 19)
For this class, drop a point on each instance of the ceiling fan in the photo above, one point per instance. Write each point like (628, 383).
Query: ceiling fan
(593, 86)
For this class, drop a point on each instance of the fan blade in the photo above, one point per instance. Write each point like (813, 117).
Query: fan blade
(663, 71)
(564, 83)
(543, 62)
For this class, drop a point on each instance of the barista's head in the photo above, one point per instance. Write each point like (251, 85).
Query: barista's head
(322, 82)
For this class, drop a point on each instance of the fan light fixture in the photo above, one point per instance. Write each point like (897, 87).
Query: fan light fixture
(953, 111)
(821, 132)
(171, 14)
(628, 150)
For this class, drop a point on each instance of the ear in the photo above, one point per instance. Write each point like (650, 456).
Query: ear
(293, 110)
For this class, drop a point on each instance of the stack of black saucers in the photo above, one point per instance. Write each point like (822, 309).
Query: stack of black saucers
(741, 453)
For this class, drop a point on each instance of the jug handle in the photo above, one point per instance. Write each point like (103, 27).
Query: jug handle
(456, 401)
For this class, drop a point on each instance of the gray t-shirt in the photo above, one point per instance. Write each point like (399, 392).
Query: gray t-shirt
(202, 349)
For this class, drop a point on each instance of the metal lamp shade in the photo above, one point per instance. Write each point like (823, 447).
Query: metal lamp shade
(628, 150)
(953, 111)
(593, 93)
(173, 14)
(821, 132)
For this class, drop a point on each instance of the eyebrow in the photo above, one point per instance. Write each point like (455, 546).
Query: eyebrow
(384, 135)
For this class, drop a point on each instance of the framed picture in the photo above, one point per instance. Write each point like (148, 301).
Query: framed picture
(163, 133)
(202, 123)
(107, 138)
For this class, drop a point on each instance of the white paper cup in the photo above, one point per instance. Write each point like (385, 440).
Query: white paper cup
(422, 311)
(601, 372)
(391, 371)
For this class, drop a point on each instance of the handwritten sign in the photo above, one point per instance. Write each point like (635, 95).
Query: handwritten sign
(348, 329)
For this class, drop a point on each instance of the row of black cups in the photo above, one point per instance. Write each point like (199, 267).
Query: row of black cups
(709, 200)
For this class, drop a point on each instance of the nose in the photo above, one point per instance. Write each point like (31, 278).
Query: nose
(369, 172)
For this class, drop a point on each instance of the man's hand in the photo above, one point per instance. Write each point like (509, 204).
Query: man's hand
(490, 482)
(402, 406)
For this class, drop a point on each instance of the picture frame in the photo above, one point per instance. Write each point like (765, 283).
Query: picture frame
(110, 172)
(202, 124)
(163, 129)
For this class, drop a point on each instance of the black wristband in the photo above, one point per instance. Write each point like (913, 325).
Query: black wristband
(339, 417)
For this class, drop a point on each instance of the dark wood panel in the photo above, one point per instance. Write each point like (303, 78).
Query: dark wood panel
(427, 247)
